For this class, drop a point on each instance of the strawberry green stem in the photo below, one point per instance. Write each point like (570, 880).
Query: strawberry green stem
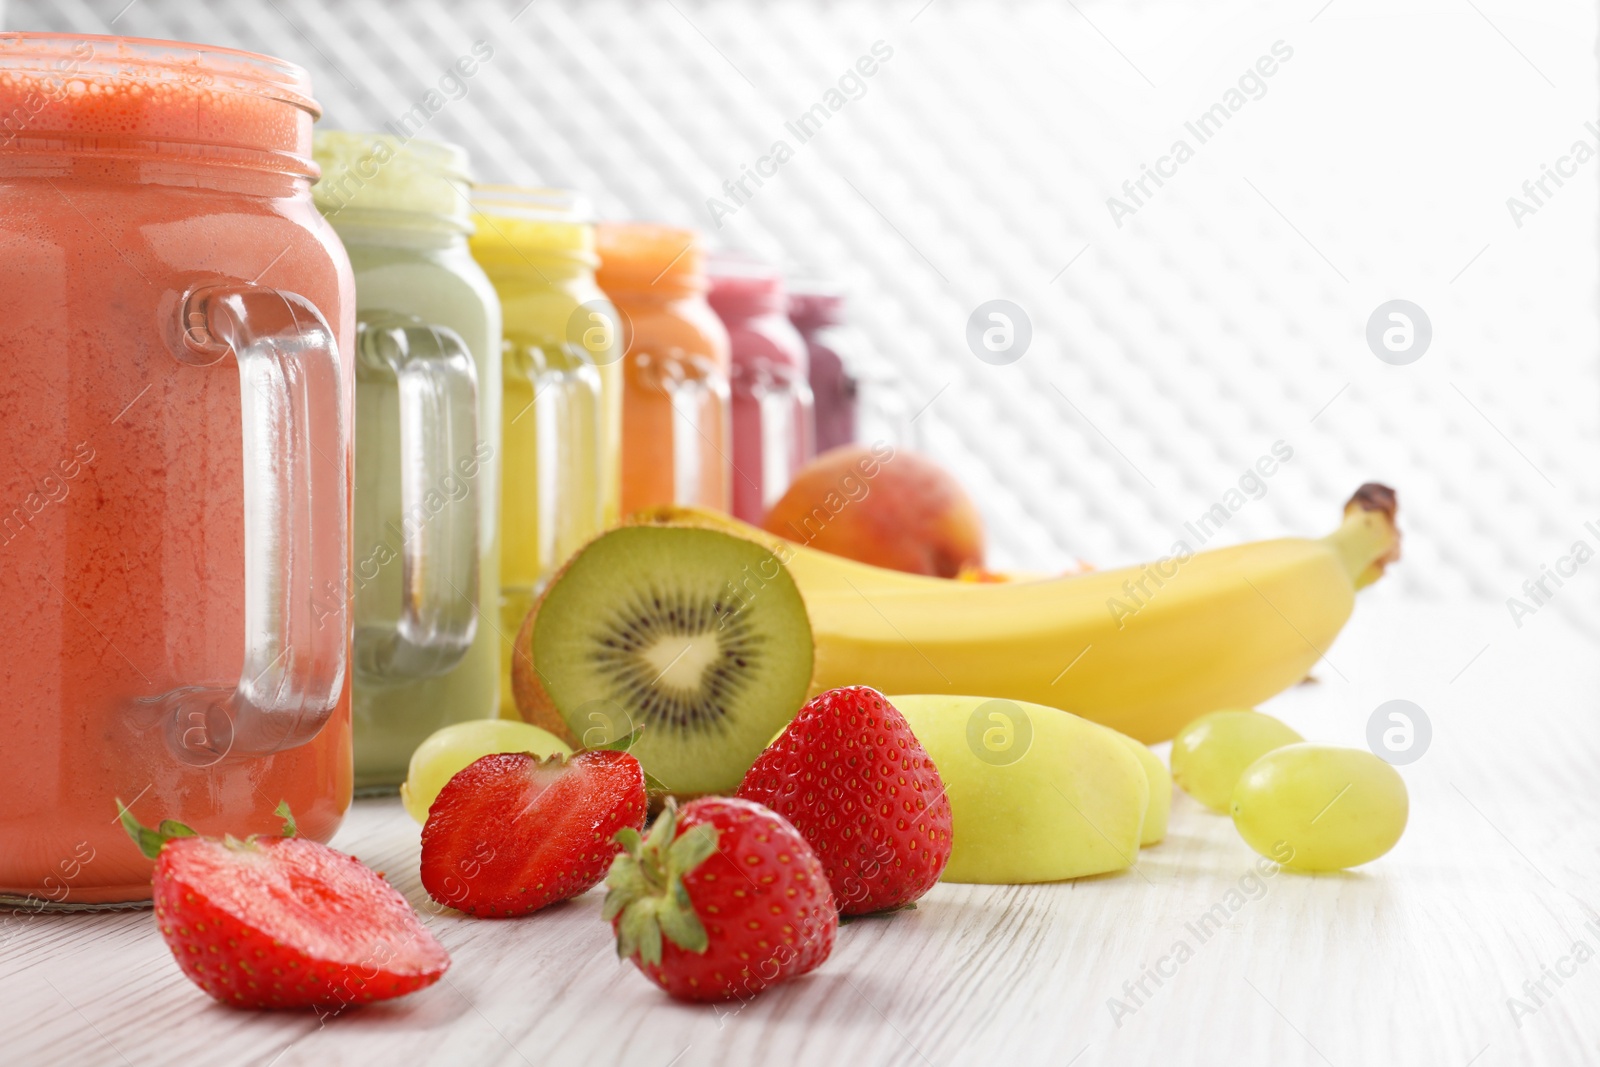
(645, 894)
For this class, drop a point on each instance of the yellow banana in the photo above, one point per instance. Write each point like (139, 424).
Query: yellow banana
(1142, 649)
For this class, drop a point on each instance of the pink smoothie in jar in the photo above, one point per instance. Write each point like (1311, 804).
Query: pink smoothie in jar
(773, 435)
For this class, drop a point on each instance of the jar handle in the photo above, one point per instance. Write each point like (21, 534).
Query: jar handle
(296, 525)
(437, 384)
(805, 414)
(787, 428)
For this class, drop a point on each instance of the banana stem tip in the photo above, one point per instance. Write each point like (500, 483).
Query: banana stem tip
(1375, 497)
(1379, 538)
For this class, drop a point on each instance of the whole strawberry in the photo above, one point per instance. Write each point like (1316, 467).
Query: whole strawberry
(720, 901)
(856, 783)
(510, 833)
(283, 922)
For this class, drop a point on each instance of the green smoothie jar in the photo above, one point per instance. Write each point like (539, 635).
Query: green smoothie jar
(427, 359)
(562, 416)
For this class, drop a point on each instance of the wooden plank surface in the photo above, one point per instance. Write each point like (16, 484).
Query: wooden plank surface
(1411, 960)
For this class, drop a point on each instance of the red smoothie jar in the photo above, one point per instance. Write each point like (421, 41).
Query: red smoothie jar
(174, 460)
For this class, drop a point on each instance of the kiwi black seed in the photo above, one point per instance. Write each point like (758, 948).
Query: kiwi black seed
(696, 637)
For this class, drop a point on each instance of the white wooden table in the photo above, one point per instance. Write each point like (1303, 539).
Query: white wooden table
(1410, 960)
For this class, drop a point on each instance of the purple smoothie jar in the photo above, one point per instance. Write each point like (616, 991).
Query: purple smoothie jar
(854, 395)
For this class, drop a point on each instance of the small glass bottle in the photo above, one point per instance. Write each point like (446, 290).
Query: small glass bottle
(676, 430)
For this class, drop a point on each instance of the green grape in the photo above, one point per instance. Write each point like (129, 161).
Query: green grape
(450, 749)
(1320, 807)
(1210, 753)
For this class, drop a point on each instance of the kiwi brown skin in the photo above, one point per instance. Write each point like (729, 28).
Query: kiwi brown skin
(673, 515)
(534, 702)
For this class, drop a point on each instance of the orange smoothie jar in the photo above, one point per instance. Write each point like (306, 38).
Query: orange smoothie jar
(175, 454)
(676, 423)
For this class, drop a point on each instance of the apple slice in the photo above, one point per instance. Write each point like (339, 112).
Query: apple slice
(1154, 829)
(1036, 794)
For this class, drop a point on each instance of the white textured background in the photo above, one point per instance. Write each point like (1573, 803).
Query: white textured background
(1167, 354)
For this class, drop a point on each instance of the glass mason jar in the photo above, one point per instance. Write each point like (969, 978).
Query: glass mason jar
(174, 459)
(561, 428)
(773, 436)
(427, 360)
(855, 395)
(676, 428)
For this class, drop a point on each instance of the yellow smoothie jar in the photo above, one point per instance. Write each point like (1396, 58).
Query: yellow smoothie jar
(427, 359)
(561, 421)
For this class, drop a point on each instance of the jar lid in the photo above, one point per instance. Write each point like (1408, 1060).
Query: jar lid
(378, 172)
(520, 223)
(80, 94)
(815, 303)
(741, 286)
(640, 256)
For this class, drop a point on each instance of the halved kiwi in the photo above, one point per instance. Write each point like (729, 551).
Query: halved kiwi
(696, 638)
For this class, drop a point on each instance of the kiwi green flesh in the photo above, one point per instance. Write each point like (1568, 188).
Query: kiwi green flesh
(697, 638)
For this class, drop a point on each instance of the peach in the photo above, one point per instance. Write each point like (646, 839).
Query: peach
(879, 505)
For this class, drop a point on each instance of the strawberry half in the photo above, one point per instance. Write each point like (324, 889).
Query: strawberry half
(510, 834)
(283, 922)
(859, 786)
(722, 900)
